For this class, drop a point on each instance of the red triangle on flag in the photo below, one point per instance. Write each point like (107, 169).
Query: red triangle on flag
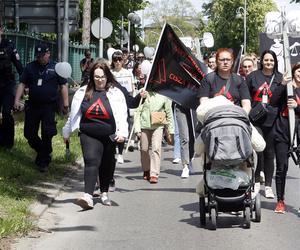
(161, 72)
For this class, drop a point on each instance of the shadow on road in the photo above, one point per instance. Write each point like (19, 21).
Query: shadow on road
(78, 228)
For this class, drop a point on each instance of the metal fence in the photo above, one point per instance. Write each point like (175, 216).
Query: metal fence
(25, 44)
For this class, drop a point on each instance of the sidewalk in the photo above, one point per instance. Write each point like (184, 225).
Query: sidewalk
(49, 191)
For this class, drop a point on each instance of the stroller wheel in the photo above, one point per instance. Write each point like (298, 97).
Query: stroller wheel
(257, 208)
(213, 217)
(247, 215)
(202, 211)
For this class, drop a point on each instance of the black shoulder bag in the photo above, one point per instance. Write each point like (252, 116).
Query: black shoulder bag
(260, 111)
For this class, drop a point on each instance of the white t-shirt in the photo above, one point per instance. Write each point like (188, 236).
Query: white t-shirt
(125, 78)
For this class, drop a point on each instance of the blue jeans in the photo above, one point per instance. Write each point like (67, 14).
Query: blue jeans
(176, 151)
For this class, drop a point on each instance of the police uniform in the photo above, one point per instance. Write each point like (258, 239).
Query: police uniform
(8, 57)
(43, 84)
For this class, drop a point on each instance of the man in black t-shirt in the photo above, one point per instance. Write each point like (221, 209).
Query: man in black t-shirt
(85, 66)
(43, 83)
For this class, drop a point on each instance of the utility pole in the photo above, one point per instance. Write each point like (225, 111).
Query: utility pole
(101, 29)
(65, 37)
(58, 31)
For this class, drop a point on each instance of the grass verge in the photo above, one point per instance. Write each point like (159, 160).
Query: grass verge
(18, 173)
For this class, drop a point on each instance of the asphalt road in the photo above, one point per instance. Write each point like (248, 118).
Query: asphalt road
(162, 216)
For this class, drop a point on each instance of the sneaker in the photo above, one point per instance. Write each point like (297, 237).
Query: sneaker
(120, 159)
(43, 168)
(131, 146)
(262, 177)
(185, 172)
(105, 200)
(280, 207)
(269, 193)
(176, 161)
(112, 185)
(85, 202)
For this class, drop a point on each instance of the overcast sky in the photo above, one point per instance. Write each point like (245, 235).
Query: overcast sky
(280, 3)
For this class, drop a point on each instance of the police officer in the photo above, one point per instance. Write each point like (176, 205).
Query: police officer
(43, 84)
(8, 57)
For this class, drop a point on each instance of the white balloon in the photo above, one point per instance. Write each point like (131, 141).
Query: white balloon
(63, 69)
(110, 51)
(135, 48)
(149, 52)
(146, 67)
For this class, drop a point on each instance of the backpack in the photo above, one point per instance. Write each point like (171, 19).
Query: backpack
(227, 135)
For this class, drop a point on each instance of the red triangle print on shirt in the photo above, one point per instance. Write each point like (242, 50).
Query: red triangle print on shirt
(258, 94)
(97, 110)
(228, 95)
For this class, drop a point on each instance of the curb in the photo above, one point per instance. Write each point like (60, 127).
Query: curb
(49, 191)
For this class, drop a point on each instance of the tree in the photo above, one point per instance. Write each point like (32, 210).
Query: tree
(180, 14)
(86, 22)
(228, 30)
(113, 10)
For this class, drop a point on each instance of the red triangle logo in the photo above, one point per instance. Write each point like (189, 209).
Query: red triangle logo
(97, 110)
(160, 72)
(228, 95)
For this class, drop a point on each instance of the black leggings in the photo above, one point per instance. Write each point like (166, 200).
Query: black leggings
(99, 158)
(265, 159)
(281, 150)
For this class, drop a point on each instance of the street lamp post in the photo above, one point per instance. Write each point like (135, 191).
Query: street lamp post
(239, 12)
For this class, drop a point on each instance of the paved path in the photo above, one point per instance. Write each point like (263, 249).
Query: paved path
(162, 216)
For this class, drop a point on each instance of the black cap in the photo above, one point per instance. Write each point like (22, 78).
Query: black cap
(41, 49)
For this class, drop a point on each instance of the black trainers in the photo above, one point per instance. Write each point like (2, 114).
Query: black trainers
(43, 168)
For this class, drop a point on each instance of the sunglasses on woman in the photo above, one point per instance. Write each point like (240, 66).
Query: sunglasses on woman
(117, 59)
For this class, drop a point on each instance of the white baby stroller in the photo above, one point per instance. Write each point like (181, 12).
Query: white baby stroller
(228, 166)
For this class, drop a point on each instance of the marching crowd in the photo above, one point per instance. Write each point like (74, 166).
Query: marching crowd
(112, 101)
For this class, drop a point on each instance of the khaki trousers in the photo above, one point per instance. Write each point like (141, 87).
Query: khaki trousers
(151, 150)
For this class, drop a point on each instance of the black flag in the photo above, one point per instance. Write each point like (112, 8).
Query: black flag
(176, 72)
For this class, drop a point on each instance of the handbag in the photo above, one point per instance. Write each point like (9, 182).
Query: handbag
(258, 112)
(158, 118)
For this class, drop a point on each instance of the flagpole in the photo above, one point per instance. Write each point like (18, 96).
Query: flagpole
(145, 86)
(239, 63)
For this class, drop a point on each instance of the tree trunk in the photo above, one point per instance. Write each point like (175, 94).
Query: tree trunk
(86, 22)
